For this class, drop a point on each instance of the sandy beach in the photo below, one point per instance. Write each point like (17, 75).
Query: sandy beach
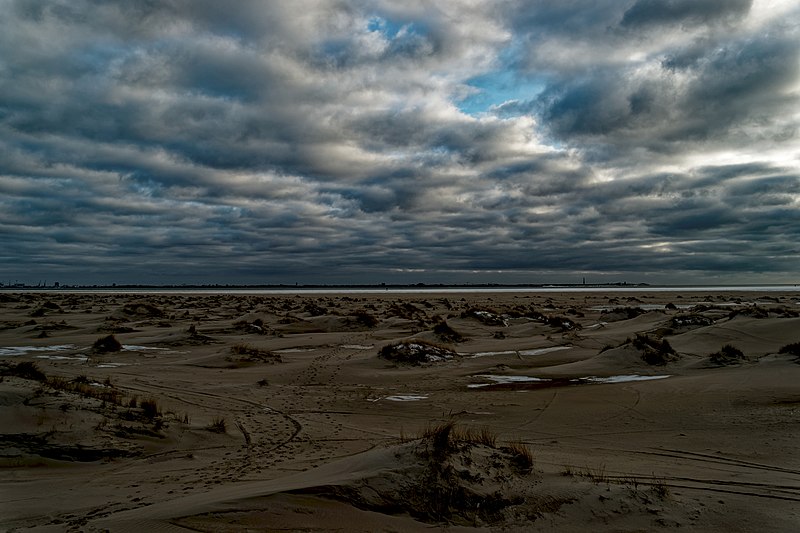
(475, 411)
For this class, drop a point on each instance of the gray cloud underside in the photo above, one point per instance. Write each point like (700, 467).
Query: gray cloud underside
(323, 141)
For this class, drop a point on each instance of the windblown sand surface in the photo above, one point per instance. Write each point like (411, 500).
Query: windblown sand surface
(276, 413)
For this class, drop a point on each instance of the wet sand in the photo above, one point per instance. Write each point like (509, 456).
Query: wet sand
(276, 412)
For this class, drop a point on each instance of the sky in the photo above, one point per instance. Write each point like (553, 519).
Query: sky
(355, 141)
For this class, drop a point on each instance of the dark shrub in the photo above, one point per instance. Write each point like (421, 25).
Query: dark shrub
(727, 355)
(654, 352)
(150, 408)
(415, 352)
(107, 344)
(791, 349)
(446, 333)
(25, 370)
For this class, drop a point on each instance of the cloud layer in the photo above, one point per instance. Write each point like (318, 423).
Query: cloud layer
(369, 141)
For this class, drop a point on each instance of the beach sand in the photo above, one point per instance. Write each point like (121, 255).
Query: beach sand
(248, 412)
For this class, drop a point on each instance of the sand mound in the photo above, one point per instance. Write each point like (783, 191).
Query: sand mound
(416, 352)
(448, 476)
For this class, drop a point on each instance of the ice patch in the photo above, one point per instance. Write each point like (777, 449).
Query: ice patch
(63, 357)
(112, 365)
(358, 346)
(135, 348)
(14, 351)
(537, 351)
(623, 379)
(294, 350)
(507, 380)
(503, 380)
(540, 351)
(406, 398)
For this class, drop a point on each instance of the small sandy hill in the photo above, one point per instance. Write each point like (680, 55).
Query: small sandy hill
(625, 359)
(140, 310)
(755, 337)
(458, 479)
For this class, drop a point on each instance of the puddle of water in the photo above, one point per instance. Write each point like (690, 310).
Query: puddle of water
(14, 351)
(537, 351)
(623, 379)
(505, 380)
(63, 357)
(294, 350)
(533, 382)
(540, 351)
(406, 398)
(135, 348)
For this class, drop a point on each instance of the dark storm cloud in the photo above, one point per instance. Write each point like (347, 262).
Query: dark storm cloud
(656, 12)
(735, 82)
(330, 141)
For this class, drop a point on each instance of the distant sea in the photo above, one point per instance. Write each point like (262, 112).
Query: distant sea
(417, 290)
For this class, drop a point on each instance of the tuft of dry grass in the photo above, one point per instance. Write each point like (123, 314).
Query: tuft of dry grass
(523, 457)
(660, 488)
(150, 408)
(107, 344)
(246, 353)
(25, 370)
(217, 425)
(481, 436)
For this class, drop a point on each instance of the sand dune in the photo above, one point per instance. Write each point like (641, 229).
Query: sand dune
(276, 412)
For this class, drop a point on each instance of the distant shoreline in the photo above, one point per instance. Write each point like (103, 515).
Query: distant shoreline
(398, 289)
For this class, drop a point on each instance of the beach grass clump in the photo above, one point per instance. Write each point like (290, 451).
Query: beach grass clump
(365, 319)
(521, 454)
(727, 355)
(660, 488)
(654, 351)
(490, 317)
(445, 333)
(440, 438)
(246, 353)
(451, 486)
(150, 408)
(562, 323)
(482, 436)
(622, 313)
(217, 425)
(142, 310)
(106, 345)
(691, 320)
(25, 370)
(447, 437)
(416, 352)
(791, 349)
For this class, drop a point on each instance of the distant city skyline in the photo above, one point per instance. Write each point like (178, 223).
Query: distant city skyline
(357, 141)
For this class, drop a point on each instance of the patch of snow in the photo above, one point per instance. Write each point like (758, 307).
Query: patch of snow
(406, 398)
(63, 357)
(536, 351)
(540, 351)
(135, 348)
(14, 351)
(623, 378)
